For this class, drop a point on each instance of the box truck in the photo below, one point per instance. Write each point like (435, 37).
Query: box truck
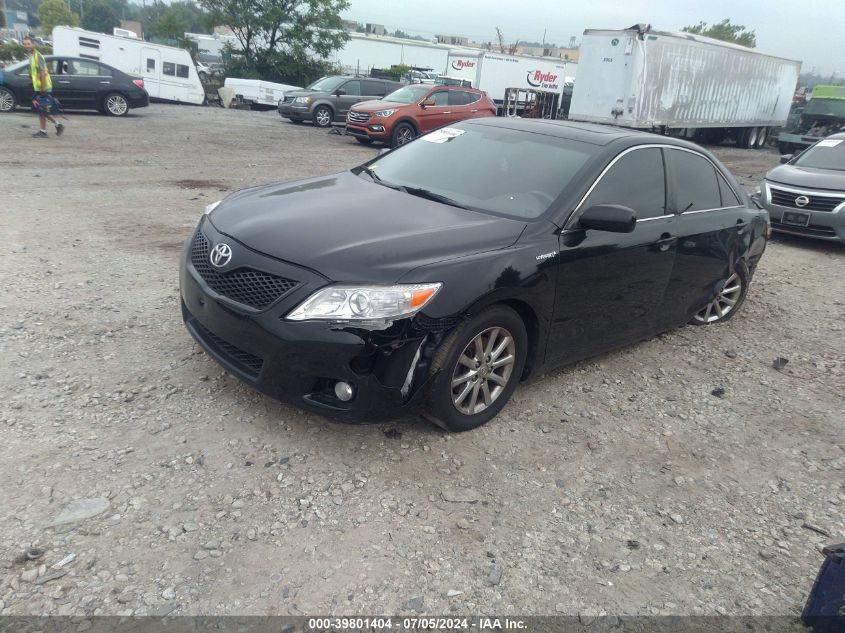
(494, 73)
(168, 72)
(682, 83)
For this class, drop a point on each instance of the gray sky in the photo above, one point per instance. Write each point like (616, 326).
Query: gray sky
(811, 31)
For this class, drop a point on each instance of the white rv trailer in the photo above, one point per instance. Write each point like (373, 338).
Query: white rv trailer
(705, 88)
(169, 73)
(257, 92)
(494, 73)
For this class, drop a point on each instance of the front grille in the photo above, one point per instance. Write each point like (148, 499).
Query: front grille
(244, 285)
(813, 229)
(248, 363)
(357, 117)
(288, 99)
(784, 198)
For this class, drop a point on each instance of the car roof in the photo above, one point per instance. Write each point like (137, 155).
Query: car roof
(838, 135)
(593, 133)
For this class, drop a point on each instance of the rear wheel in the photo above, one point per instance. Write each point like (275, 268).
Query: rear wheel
(115, 104)
(403, 133)
(753, 133)
(478, 367)
(727, 301)
(323, 116)
(762, 137)
(8, 101)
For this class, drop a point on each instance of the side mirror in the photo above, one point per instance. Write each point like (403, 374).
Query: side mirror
(427, 103)
(786, 158)
(339, 92)
(613, 218)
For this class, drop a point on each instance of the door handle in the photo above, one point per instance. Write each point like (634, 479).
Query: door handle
(63, 82)
(665, 242)
(105, 82)
(741, 226)
(473, 110)
(447, 112)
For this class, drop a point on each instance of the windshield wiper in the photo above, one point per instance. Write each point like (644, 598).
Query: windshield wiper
(430, 195)
(377, 179)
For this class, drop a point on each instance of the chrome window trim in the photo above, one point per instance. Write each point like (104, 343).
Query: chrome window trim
(708, 210)
(658, 217)
(572, 217)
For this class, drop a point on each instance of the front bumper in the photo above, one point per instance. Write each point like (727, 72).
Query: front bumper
(295, 112)
(300, 362)
(373, 130)
(824, 225)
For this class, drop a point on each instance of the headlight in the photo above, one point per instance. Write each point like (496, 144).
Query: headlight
(211, 207)
(302, 100)
(364, 303)
(384, 113)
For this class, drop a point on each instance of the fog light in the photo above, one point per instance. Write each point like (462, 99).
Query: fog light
(344, 391)
(377, 128)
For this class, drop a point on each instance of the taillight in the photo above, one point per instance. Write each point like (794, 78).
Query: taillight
(138, 82)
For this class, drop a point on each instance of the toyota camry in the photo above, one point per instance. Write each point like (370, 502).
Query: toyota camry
(438, 276)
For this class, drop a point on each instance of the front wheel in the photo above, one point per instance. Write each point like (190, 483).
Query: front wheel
(403, 133)
(727, 301)
(115, 104)
(478, 367)
(323, 116)
(8, 101)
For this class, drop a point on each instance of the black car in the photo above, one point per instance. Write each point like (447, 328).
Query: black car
(439, 275)
(79, 84)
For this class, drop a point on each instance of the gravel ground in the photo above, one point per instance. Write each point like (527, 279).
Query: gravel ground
(682, 475)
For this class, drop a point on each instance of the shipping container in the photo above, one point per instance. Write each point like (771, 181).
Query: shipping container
(678, 82)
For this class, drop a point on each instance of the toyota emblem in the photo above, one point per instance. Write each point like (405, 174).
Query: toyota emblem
(802, 201)
(221, 255)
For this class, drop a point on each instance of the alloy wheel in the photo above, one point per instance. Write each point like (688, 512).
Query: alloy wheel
(404, 135)
(323, 117)
(7, 100)
(483, 370)
(116, 105)
(723, 303)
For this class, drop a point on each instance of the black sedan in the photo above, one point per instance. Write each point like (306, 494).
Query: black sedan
(806, 195)
(439, 275)
(79, 84)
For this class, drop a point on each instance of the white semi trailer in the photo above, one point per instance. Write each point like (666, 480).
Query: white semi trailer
(681, 83)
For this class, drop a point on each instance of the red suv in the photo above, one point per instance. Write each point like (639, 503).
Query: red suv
(413, 110)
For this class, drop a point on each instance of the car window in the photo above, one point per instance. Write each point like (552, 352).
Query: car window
(458, 97)
(352, 88)
(696, 185)
(54, 66)
(441, 98)
(85, 68)
(637, 180)
(373, 88)
(408, 94)
(729, 198)
(826, 154)
(104, 71)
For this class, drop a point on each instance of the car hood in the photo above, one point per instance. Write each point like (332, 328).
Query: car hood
(795, 176)
(380, 104)
(349, 228)
(303, 93)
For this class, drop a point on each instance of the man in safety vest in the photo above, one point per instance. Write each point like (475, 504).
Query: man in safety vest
(42, 86)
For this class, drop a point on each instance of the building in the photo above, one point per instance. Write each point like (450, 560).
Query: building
(569, 54)
(452, 40)
(351, 25)
(17, 24)
(375, 29)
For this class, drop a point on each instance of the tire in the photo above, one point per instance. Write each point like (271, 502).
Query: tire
(720, 308)
(323, 116)
(762, 137)
(753, 133)
(115, 104)
(8, 100)
(464, 395)
(402, 134)
(364, 141)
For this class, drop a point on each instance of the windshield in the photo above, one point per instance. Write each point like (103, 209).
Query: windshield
(16, 66)
(498, 170)
(826, 154)
(408, 94)
(327, 84)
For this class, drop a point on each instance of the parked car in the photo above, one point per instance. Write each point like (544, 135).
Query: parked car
(79, 84)
(328, 99)
(413, 110)
(806, 194)
(445, 80)
(439, 275)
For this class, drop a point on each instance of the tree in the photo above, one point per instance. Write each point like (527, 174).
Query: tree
(99, 16)
(169, 25)
(55, 13)
(283, 39)
(725, 31)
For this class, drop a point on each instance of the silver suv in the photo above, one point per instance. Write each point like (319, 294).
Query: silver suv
(328, 99)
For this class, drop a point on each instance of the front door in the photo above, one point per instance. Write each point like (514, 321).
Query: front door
(433, 116)
(151, 69)
(610, 285)
(85, 83)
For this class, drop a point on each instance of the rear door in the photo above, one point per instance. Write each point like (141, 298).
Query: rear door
(86, 83)
(611, 285)
(464, 104)
(151, 67)
(712, 227)
(345, 101)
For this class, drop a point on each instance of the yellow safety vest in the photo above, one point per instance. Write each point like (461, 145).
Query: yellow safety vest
(33, 71)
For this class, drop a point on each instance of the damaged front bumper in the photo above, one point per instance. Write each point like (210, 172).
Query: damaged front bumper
(302, 362)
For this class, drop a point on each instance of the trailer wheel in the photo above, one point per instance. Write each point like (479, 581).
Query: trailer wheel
(762, 137)
(115, 104)
(743, 136)
(753, 133)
